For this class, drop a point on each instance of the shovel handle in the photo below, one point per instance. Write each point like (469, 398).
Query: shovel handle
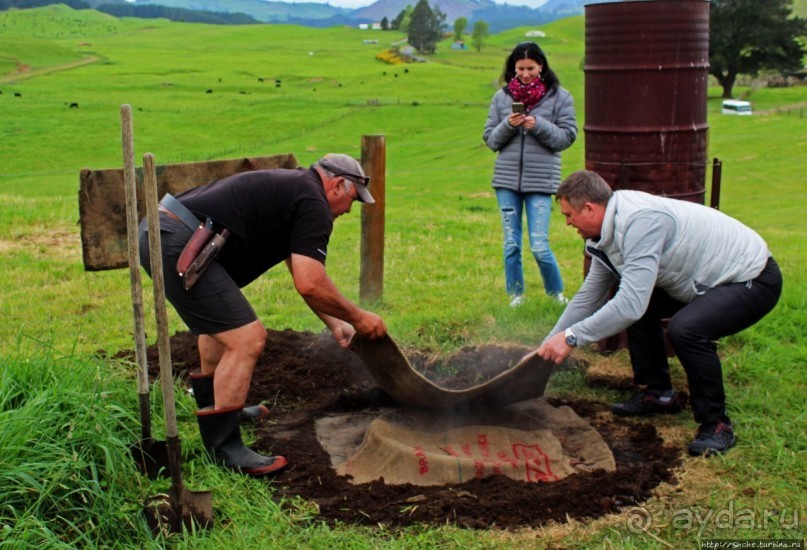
(135, 284)
(194, 505)
(158, 278)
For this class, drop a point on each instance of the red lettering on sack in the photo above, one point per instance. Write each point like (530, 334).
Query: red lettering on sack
(536, 462)
(482, 442)
(507, 459)
(480, 469)
(423, 461)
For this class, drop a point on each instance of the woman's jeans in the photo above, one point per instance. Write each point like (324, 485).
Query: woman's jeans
(538, 207)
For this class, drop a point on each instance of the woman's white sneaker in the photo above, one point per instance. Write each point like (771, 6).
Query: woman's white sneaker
(517, 301)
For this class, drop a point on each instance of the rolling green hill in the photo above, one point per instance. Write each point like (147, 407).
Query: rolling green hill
(20, 54)
(57, 22)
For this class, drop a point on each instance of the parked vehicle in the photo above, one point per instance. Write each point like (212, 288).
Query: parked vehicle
(736, 107)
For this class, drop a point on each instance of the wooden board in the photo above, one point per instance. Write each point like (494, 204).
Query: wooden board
(102, 205)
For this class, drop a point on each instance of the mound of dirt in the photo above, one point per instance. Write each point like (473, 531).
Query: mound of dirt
(304, 376)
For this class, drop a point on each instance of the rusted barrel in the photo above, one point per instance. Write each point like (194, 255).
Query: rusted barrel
(646, 70)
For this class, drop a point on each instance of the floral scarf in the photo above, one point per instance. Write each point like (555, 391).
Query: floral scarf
(528, 94)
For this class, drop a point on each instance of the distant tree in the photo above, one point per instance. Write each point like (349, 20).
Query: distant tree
(396, 21)
(426, 27)
(384, 23)
(407, 20)
(479, 34)
(746, 36)
(460, 24)
(401, 21)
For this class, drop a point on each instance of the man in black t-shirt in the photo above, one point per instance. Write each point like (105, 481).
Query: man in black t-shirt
(273, 216)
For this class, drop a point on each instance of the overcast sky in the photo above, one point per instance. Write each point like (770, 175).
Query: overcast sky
(363, 3)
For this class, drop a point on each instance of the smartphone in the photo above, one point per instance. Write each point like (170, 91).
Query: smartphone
(518, 108)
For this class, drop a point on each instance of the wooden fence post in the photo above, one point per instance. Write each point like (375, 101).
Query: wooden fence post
(374, 162)
(717, 176)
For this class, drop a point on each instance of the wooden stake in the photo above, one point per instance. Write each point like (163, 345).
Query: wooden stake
(374, 163)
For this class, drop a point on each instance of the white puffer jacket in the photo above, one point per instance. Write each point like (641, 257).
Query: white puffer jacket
(709, 248)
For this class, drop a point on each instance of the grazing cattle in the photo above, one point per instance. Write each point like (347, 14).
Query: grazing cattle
(209, 92)
(260, 80)
(74, 105)
(17, 94)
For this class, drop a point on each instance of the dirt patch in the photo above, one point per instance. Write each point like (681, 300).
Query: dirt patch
(58, 243)
(304, 376)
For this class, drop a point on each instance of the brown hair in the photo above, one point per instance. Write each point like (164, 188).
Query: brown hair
(529, 50)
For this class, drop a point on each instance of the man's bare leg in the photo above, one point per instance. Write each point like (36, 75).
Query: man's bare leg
(210, 353)
(232, 355)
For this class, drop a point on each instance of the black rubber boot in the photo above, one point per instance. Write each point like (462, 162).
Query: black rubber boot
(221, 434)
(202, 385)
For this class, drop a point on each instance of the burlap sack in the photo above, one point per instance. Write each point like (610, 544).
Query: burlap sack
(395, 375)
(531, 442)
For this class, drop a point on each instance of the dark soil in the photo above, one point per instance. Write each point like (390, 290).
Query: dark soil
(303, 375)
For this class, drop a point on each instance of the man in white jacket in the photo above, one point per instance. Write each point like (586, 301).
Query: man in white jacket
(709, 274)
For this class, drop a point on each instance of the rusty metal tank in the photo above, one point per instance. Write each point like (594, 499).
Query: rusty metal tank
(646, 69)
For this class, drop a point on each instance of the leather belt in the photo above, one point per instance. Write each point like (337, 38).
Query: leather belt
(178, 211)
(162, 208)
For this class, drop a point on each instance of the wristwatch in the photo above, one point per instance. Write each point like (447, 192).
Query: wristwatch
(571, 338)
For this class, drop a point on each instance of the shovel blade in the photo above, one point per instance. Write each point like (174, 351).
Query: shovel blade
(151, 457)
(177, 510)
(197, 508)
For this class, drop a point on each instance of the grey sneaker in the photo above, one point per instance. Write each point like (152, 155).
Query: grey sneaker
(646, 402)
(713, 439)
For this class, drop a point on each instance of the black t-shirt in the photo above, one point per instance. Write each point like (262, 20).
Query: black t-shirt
(271, 214)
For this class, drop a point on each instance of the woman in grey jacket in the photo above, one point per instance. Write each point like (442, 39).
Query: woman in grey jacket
(531, 120)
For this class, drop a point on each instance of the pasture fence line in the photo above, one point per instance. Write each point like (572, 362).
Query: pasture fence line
(792, 111)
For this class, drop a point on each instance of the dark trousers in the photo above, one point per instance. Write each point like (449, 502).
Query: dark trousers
(692, 330)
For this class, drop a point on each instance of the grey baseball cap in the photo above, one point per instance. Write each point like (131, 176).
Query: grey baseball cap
(348, 168)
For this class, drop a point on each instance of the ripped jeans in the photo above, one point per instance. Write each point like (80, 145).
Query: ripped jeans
(538, 207)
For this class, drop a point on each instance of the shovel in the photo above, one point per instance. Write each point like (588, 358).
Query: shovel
(180, 507)
(150, 455)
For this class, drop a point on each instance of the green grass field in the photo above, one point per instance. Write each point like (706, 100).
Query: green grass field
(64, 477)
